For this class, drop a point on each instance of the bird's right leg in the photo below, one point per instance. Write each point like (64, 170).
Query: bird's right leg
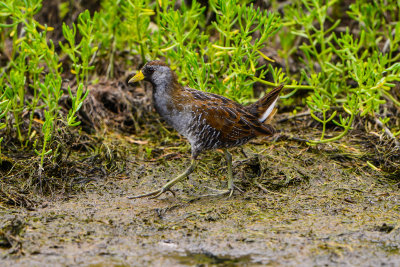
(231, 186)
(167, 186)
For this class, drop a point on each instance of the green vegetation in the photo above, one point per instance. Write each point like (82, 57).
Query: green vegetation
(346, 59)
(34, 67)
(348, 73)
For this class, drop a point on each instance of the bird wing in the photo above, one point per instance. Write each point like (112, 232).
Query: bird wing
(228, 117)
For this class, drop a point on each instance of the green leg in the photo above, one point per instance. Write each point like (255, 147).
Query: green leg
(167, 186)
(228, 191)
(230, 175)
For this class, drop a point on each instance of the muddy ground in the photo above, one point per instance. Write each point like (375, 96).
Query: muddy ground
(299, 206)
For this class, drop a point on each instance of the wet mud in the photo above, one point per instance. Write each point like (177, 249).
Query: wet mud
(296, 205)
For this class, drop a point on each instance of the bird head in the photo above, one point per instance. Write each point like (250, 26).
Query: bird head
(156, 72)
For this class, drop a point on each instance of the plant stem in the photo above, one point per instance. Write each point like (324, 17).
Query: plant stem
(305, 87)
(391, 98)
(314, 142)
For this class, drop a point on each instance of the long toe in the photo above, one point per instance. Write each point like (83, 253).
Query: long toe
(153, 194)
(219, 192)
(162, 191)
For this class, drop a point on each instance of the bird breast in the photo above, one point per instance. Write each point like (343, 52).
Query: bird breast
(177, 115)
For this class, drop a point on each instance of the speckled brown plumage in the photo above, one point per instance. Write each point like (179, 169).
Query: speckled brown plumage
(207, 120)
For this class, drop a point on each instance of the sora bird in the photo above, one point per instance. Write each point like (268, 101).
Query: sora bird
(207, 120)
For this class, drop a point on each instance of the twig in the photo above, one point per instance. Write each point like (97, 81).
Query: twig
(388, 95)
(95, 54)
(265, 190)
(387, 131)
(291, 138)
(302, 114)
(110, 68)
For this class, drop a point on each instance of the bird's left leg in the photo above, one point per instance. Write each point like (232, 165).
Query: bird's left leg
(167, 186)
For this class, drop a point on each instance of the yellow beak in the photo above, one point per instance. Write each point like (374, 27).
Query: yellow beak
(138, 77)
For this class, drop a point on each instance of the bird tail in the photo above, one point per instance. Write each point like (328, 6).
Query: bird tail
(264, 109)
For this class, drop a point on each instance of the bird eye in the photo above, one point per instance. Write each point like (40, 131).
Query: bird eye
(149, 71)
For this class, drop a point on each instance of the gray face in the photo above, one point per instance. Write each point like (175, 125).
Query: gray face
(156, 74)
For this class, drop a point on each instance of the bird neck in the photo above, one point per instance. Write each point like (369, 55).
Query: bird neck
(166, 85)
(163, 97)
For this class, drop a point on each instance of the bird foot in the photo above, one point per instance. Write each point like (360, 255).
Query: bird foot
(219, 192)
(153, 194)
(167, 186)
